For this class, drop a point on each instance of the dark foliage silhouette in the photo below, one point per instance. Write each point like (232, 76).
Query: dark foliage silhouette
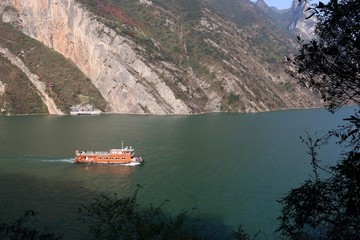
(23, 228)
(329, 63)
(122, 218)
(329, 207)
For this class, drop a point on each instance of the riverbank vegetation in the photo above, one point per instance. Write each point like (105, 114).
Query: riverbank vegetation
(329, 207)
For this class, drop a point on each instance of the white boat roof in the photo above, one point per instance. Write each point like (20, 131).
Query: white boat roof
(122, 149)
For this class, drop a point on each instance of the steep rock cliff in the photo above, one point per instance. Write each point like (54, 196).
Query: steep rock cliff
(299, 23)
(295, 19)
(121, 75)
(212, 64)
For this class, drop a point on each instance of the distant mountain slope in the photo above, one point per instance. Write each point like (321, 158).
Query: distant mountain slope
(293, 19)
(262, 31)
(282, 17)
(168, 56)
(299, 23)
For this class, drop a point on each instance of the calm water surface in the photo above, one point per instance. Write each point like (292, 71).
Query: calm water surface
(232, 167)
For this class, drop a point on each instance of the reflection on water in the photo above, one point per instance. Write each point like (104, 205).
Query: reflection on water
(114, 169)
(56, 201)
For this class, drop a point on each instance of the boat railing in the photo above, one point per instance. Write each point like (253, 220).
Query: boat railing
(112, 151)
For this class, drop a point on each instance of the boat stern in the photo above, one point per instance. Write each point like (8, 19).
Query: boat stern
(138, 159)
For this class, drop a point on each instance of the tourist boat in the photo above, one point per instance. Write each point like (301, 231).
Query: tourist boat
(84, 109)
(114, 156)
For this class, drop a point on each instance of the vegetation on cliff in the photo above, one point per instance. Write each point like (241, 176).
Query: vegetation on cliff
(65, 83)
(20, 96)
(181, 56)
(211, 54)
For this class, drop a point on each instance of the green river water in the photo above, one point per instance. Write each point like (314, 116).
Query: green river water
(231, 167)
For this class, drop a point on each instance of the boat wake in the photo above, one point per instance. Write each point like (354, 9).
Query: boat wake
(67, 160)
(131, 164)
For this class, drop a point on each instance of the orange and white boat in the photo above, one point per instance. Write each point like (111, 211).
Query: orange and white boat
(114, 156)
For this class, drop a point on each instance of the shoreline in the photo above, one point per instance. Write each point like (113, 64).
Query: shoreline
(165, 115)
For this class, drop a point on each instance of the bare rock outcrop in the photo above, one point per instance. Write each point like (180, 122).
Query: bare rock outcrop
(126, 82)
(171, 62)
(299, 21)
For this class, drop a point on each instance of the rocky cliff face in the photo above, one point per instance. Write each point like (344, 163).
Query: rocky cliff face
(262, 5)
(124, 80)
(112, 49)
(298, 22)
(293, 19)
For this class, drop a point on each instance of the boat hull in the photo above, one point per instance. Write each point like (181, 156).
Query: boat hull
(97, 161)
